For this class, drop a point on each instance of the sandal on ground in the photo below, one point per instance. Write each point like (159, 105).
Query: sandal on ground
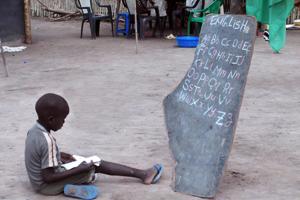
(159, 168)
(86, 192)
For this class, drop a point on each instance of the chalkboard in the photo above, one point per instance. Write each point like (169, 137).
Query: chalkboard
(201, 113)
(12, 19)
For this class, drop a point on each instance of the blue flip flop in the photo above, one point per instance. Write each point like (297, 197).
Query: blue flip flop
(159, 168)
(86, 192)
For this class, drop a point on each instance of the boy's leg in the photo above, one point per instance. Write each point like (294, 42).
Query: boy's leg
(115, 169)
(58, 187)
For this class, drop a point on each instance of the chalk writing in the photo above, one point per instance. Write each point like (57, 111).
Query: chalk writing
(230, 22)
(209, 83)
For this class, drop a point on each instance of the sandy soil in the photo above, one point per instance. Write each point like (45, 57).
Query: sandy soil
(116, 112)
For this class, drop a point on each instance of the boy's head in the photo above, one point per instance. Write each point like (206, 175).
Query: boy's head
(52, 110)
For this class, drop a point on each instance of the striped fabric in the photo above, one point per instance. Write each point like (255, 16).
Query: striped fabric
(52, 149)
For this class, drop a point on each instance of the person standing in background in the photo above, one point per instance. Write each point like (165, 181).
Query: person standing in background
(274, 13)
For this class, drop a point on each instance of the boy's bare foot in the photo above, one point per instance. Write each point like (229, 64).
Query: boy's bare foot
(152, 173)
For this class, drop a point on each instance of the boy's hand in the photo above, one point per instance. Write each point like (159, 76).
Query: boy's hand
(66, 158)
(49, 175)
(85, 167)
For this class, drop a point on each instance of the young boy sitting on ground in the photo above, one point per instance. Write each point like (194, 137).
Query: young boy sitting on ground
(43, 159)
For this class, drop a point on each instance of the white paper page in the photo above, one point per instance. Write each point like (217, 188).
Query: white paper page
(80, 159)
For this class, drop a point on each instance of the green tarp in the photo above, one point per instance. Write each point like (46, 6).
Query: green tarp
(274, 13)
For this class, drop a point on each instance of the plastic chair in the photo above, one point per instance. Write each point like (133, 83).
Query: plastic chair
(198, 16)
(181, 12)
(143, 15)
(126, 18)
(94, 20)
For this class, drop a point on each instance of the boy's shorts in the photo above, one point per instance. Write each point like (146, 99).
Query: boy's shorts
(58, 187)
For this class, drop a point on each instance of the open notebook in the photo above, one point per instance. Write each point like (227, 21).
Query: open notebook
(79, 159)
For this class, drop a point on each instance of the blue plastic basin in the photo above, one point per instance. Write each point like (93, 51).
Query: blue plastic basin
(187, 41)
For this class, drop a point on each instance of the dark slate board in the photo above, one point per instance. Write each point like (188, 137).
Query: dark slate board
(201, 113)
(12, 19)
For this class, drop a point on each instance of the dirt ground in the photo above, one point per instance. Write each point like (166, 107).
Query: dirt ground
(116, 112)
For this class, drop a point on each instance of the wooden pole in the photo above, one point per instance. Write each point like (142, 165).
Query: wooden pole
(27, 22)
(117, 12)
(3, 58)
(118, 7)
(136, 28)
